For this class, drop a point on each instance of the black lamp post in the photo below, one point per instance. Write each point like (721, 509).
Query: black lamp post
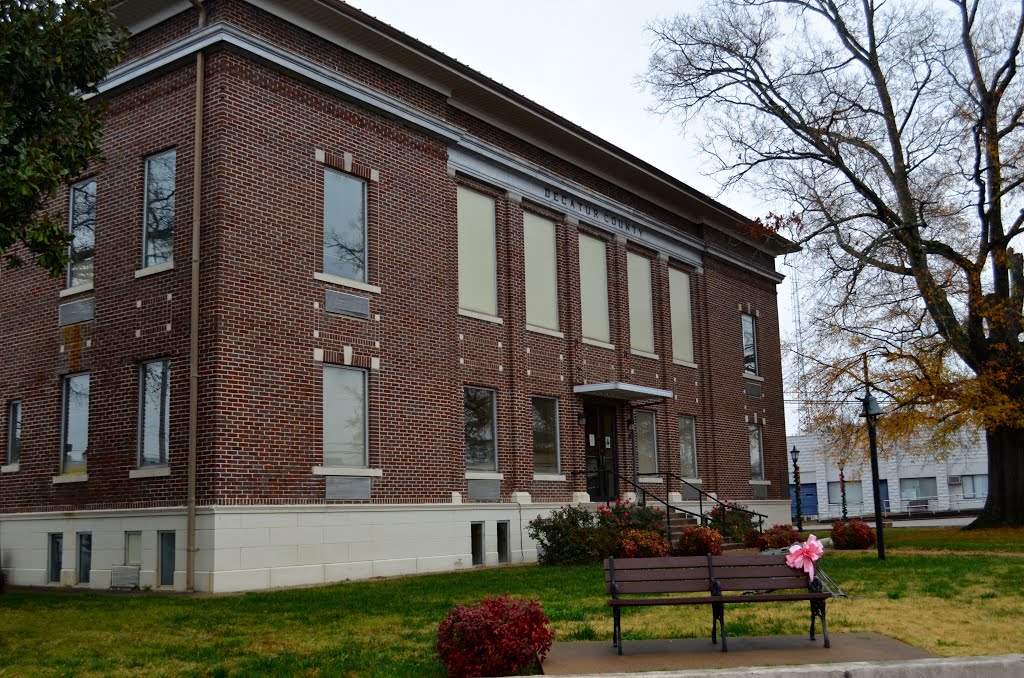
(871, 412)
(794, 453)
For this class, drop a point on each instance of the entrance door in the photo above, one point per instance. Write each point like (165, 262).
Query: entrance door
(883, 492)
(601, 457)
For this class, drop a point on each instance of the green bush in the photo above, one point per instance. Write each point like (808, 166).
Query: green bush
(569, 536)
(698, 540)
(732, 521)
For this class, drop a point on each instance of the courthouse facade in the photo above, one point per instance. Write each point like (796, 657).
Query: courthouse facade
(363, 311)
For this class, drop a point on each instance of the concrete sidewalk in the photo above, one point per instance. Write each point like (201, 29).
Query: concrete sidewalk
(599, 657)
(852, 655)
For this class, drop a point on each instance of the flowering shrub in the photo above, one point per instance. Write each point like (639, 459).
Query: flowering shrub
(569, 536)
(642, 544)
(697, 540)
(732, 521)
(496, 637)
(627, 515)
(778, 537)
(852, 534)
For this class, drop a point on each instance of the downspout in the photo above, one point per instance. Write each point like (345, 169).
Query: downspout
(193, 357)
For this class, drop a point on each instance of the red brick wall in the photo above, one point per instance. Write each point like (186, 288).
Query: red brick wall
(260, 408)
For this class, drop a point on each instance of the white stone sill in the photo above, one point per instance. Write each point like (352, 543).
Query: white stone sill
(760, 482)
(599, 344)
(486, 317)
(549, 477)
(150, 472)
(71, 478)
(544, 330)
(651, 480)
(346, 282)
(153, 270)
(78, 289)
(684, 363)
(644, 354)
(484, 475)
(347, 471)
(752, 377)
(11, 468)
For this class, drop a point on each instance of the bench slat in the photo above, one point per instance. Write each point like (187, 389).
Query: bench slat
(661, 587)
(659, 575)
(747, 571)
(733, 561)
(759, 584)
(657, 563)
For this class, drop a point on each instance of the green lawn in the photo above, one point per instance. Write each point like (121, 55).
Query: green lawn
(387, 628)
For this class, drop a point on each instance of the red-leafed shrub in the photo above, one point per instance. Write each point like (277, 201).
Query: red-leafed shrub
(496, 637)
(852, 534)
(697, 540)
(778, 537)
(642, 544)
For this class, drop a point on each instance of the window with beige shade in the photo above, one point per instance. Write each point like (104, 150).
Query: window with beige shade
(594, 288)
(682, 321)
(541, 272)
(478, 286)
(641, 307)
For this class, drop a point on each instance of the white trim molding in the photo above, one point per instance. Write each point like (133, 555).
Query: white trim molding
(150, 472)
(154, 269)
(481, 316)
(347, 471)
(77, 289)
(346, 282)
(71, 478)
(484, 475)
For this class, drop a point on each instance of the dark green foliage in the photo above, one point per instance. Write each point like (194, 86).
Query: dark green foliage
(732, 521)
(569, 536)
(852, 534)
(51, 53)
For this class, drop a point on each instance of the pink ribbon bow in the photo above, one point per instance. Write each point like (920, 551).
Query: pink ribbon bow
(802, 556)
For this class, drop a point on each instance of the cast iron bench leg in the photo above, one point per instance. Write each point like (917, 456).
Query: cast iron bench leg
(718, 622)
(617, 629)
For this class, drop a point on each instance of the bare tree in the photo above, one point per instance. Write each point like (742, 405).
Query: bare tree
(895, 130)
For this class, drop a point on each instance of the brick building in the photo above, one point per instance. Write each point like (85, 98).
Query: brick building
(406, 311)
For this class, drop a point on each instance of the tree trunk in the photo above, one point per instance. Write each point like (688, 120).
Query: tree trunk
(1005, 504)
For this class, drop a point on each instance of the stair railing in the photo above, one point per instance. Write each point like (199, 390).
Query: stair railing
(726, 507)
(644, 494)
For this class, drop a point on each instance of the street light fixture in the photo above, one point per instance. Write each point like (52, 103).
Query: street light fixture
(794, 453)
(872, 410)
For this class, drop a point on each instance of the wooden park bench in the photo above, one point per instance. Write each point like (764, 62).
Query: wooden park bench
(635, 582)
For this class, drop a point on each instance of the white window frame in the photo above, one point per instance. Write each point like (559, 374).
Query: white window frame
(366, 225)
(145, 210)
(366, 418)
(530, 263)
(693, 438)
(140, 460)
(753, 333)
(465, 304)
(760, 450)
(836, 497)
(128, 536)
(494, 426)
(654, 434)
(14, 431)
(558, 436)
(586, 290)
(69, 274)
(65, 402)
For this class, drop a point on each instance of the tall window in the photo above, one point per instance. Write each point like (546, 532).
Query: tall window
(854, 492)
(688, 447)
(594, 288)
(646, 441)
(545, 435)
(13, 431)
(541, 272)
(154, 412)
(133, 548)
(749, 344)
(478, 270)
(56, 557)
(682, 322)
(158, 234)
(82, 226)
(975, 487)
(641, 307)
(481, 429)
(756, 453)
(84, 557)
(918, 488)
(75, 438)
(345, 415)
(344, 225)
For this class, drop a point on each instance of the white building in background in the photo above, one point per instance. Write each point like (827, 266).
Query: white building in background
(909, 483)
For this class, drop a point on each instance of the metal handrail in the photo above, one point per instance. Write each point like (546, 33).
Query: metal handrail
(669, 508)
(701, 493)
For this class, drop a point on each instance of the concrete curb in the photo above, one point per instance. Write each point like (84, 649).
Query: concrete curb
(1001, 666)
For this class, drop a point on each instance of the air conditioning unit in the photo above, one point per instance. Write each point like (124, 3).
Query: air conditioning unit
(124, 576)
(955, 480)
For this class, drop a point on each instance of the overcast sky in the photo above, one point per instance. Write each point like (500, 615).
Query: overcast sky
(579, 59)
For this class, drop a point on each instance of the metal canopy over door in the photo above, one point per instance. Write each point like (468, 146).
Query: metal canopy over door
(601, 455)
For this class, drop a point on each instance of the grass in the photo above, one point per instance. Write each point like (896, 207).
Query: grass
(1001, 540)
(949, 604)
